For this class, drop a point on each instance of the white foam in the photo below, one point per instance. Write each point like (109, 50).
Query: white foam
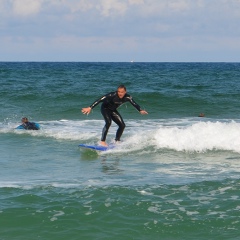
(188, 137)
(146, 135)
(56, 215)
(200, 137)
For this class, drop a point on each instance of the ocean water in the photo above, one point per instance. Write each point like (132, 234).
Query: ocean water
(174, 176)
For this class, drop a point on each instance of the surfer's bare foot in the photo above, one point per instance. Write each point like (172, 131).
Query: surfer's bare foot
(103, 143)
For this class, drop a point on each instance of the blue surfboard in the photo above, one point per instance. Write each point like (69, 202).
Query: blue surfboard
(36, 125)
(97, 147)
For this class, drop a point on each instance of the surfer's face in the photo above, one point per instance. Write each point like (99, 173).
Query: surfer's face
(121, 92)
(24, 120)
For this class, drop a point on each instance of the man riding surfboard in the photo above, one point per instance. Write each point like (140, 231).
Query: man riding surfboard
(110, 103)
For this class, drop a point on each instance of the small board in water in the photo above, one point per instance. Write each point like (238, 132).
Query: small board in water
(35, 124)
(96, 147)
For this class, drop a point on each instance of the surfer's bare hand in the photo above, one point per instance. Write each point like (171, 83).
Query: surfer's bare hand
(143, 112)
(86, 110)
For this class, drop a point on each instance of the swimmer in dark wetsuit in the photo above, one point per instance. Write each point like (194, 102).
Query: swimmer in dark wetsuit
(28, 125)
(110, 103)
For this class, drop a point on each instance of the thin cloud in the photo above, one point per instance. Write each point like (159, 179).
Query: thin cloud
(147, 29)
(127, 8)
(26, 7)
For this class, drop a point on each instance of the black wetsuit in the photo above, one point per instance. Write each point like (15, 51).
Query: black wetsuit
(30, 126)
(110, 103)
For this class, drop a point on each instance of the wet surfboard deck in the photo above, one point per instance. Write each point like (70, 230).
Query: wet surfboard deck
(96, 147)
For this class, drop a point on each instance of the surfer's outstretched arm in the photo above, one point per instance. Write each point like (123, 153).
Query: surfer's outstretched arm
(130, 99)
(87, 110)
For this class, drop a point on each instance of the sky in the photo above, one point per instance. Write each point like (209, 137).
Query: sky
(120, 30)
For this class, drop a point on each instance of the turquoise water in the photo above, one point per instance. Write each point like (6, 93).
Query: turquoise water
(174, 176)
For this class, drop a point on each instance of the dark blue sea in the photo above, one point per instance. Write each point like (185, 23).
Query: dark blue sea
(175, 175)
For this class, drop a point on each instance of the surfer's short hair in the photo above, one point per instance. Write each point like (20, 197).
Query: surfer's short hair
(122, 86)
(24, 119)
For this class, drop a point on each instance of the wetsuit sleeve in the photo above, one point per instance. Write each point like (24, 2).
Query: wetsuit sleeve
(101, 99)
(130, 99)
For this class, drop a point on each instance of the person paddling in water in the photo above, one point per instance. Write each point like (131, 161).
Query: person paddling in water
(29, 125)
(110, 103)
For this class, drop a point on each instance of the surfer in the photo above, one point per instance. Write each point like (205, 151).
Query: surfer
(110, 103)
(29, 125)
